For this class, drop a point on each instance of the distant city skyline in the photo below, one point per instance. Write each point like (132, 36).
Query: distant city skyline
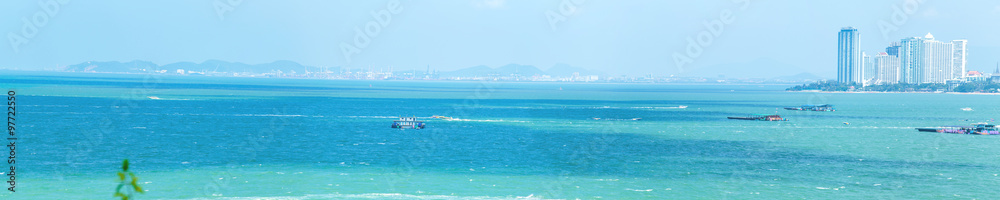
(913, 60)
(754, 39)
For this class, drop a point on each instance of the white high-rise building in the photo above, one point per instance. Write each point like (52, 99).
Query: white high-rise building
(960, 58)
(849, 56)
(869, 69)
(926, 60)
(911, 60)
(939, 60)
(887, 68)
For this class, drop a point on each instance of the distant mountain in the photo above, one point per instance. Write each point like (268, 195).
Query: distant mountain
(481, 70)
(288, 67)
(559, 70)
(525, 70)
(112, 66)
(565, 70)
(222, 66)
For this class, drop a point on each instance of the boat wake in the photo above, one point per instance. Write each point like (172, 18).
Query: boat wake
(590, 107)
(374, 117)
(484, 120)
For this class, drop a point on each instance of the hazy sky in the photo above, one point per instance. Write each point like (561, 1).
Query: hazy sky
(762, 38)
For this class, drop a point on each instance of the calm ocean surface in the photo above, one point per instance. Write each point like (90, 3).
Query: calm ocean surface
(250, 138)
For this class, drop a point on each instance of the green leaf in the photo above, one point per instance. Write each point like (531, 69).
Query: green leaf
(125, 165)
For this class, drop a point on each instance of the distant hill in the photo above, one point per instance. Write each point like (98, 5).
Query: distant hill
(284, 66)
(223, 66)
(113, 66)
(290, 67)
(559, 70)
(565, 70)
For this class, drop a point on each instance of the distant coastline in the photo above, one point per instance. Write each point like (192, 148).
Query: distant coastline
(976, 87)
(507, 73)
(878, 92)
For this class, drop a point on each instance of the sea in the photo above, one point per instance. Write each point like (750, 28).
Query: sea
(198, 137)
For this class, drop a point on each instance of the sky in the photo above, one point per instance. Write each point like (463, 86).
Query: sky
(733, 38)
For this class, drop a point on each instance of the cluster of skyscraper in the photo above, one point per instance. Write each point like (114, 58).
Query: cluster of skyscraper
(913, 60)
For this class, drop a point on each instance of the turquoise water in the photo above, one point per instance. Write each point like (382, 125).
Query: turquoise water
(248, 138)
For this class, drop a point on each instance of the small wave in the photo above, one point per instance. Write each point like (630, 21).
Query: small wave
(158, 98)
(376, 117)
(29, 105)
(372, 196)
(638, 190)
(63, 113)
(485, 120)
(585, 107)
(242, 115)
(674, 107)
(267, 115)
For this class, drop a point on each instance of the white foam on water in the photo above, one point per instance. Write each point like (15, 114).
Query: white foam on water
(369, 196)
(266, 115)
(376, 117)
(485, 120)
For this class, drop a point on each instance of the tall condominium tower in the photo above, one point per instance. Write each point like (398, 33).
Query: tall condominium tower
(959, 58)
(939, 60)
(849, 56)
(911, 60)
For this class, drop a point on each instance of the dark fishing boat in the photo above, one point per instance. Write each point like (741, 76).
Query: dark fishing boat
(976, 129)
(760, 117)
(822, 107)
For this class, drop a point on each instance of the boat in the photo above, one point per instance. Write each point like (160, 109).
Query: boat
(761, 117)
(821, 107)
(966, 109)
(408, 123)
(976, 129)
